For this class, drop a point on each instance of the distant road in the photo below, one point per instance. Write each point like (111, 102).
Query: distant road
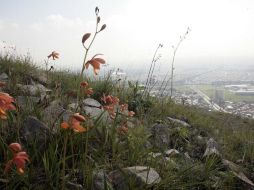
(207, 99)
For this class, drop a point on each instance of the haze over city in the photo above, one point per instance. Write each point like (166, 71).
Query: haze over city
(221, 31)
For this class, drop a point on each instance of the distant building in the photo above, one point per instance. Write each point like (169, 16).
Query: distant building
(219, 97)
(118, 74)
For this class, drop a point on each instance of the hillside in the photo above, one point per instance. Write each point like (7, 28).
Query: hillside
(106, 146)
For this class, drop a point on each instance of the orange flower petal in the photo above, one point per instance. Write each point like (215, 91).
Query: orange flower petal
(15, 147)
(78, 128)
(64, 125)
(79, 117)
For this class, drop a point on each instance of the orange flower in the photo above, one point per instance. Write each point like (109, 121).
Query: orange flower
(123, 130)
(54, 55)
(84, 84)
(89, 91)
(110, 99)
(95, 63)
(15, 147)
(131, 113)
(2, 84)
(19, 159)
(124, 107)
(6, 103)
(79, 117)
(74, 123)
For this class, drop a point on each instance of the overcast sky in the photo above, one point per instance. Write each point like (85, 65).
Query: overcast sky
(221, 30)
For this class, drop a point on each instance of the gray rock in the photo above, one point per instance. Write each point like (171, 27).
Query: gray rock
(34, 90)
(160, 136)
(99, 181)
(74, 186)
(178, 121)
(92, 107)
(34, 130)
(139, 176)
(3, 77)
(211, 148)
(40, 78)
(27, 102)
(237, 172)
(54, 113)
(154, 155)
(186, 154)
(72, 106)
(95, 110)
(171, 152)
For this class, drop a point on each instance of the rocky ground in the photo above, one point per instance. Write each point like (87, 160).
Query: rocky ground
(156, 153)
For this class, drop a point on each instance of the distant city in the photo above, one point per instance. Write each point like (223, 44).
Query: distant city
(225, 89)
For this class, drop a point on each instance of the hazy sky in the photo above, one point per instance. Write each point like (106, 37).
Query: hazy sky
(221, 30)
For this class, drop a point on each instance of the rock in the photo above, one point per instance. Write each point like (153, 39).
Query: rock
(55, 112)
(74, 186)
(34, 90)
(237, 172)
(171, 152)
(3, 77)
(178, 121)
(40, 78)
(72, 106)
(92, 107)
(211, 148)
(27, 102)
(154, 155)
(99, 181)
(34, 130)
(138, 176)
(186, 154)
(160, 136)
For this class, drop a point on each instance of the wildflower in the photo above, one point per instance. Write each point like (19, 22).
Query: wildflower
(95, 63)
(110, 99)
(54, 55)
(123, 107)
(89, 91)
(19, 159)
(2, 84)
(131, 113)
(123, 130)
(84, 84)
(6, 103)
(74, 123)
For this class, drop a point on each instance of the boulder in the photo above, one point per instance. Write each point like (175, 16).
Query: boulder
(34, 90)
(74, 186)
(211, 148)
(54, 113)
(179, 122)
(160, 136)
(236, 170)
(138, 176)
(33, 130)
(171, 152)
(3, 77)
(99, 181)
(92, 107)
(95, 110)
(27, 102)
(155, 155)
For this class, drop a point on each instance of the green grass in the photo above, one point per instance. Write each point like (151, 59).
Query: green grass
(209, 90)
(80, 155)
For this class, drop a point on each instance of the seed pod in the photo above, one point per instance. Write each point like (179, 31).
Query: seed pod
(98, 19)
(97, 10)
(85, 37)
(103, 27)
